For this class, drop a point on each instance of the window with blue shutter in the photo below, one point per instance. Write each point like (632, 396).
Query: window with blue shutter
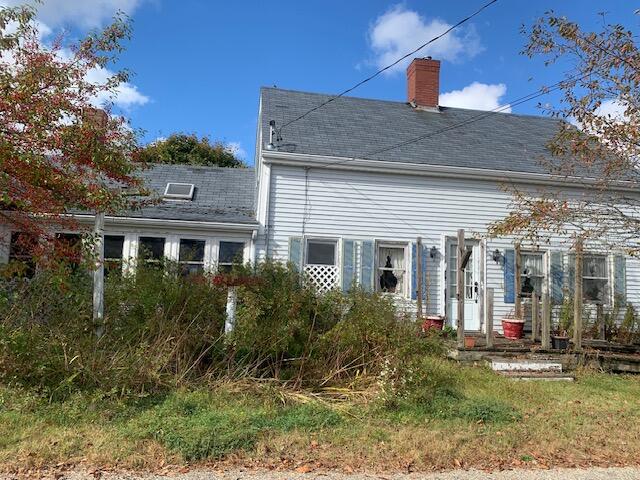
(295, 252)
(509, 275)
(348, 264)
(620, 279)
(414, 271)
(367, 265)
(556, 282)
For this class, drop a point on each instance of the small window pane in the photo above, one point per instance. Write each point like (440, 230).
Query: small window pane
(231, 252)
(151, 248)
(21, 251)
(113, 245)
(321, 253)
(594, 266)
(191, 250)
(595, 290)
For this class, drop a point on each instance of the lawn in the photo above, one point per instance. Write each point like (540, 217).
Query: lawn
(491, 423)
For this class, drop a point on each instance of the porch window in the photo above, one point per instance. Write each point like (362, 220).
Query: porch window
(321, 264)
(113, 245)
(595, 278)
(191, 257)
(230, 254)
(151, 250)
(532, 274)
(392, 269)
(21, 251)
(69, 246)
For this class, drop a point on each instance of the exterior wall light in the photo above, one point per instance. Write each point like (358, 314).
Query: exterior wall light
(433, 252)
(496, 255)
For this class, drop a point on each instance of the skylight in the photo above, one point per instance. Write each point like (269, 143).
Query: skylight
(179, 191)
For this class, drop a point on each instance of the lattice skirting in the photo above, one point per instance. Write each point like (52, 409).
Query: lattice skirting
(322, 277)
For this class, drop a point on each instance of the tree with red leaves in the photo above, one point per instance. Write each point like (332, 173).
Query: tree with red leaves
(60, 150)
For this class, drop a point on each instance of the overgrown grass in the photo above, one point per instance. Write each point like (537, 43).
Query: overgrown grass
(490, 422)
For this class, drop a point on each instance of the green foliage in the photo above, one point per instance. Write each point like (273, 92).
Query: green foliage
(189, 149)
(201, 425)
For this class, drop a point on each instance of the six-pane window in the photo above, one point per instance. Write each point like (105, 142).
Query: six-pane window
(595, 278)
(229, 254)
(151, 249)
(113, 246)
(191, 256)
(391, 269)
(532, 273)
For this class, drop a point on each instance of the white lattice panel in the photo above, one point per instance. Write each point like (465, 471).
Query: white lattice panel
(322, 277)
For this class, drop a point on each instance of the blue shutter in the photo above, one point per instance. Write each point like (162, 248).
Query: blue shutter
(295, 252)
(619, 280)
(557, 277)
(414, 272)
(571, 274)
(367, 266)
(509, 276)
(348, 264)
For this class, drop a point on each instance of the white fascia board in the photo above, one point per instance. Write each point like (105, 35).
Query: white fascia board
(182, 224)
(503, 176)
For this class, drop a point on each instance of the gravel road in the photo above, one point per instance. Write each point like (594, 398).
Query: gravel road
(555, 474)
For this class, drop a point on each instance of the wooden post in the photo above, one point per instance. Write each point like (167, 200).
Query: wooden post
(600, 321)
(418, 285)
(460, 288)
(232, 300)
(577, 300)
(98, 275)
(489, 320)
(545, 334)
(534, 316)
(518, 282)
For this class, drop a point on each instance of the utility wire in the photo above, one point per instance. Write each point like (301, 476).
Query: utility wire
(384, 69)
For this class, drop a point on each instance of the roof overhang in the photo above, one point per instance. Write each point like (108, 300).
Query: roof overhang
(181, 224)
(382, 166)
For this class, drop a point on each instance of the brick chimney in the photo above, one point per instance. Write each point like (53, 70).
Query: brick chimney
(423, 82)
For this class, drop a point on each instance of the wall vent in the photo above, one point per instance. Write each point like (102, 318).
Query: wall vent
(179, 191)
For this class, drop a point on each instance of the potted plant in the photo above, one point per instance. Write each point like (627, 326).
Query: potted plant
(512, 325)
(469, 342)
(560, 334)
(435, 322)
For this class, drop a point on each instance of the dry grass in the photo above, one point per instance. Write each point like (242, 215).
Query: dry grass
(496, 423)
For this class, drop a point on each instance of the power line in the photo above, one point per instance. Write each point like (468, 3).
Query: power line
(384, 69)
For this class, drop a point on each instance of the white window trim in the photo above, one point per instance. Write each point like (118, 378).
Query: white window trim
(216, 250)
(406, 288)
(546, 268)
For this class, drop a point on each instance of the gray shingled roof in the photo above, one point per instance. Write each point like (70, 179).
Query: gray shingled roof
(354, 127)
(221, 194)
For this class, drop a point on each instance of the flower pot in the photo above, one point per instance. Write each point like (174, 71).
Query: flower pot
(559, 342)
(513, 328)
(469, 342)
(433, 322)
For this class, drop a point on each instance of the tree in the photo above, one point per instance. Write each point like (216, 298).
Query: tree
(597, 147)
(188, 149)
(58, 152)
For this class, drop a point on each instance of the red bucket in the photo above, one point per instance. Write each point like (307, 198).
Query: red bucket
(512, 328)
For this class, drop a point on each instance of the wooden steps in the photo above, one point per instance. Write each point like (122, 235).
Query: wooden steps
(530, 369)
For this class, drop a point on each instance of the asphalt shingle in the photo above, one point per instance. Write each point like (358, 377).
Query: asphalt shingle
(355, 128)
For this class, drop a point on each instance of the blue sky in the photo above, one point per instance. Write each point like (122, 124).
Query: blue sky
(199, 65)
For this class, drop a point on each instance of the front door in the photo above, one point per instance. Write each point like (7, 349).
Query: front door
(471, 288)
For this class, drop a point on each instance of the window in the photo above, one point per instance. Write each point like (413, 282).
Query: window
(595, 278)
(229, 254)
(321, 252)
(21, 251)
(191, 256)
(531, 274)
(391, 269)
(151, 249)
(113, 245)
(69, 247)
(179, 191)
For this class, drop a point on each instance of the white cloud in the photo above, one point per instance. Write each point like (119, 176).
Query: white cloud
(125, 95)
(477, 96)
(236, 149)
(82, 13)
(399, 31)
(613, 109)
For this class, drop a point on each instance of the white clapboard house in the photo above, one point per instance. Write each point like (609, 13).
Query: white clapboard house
(345, 191)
